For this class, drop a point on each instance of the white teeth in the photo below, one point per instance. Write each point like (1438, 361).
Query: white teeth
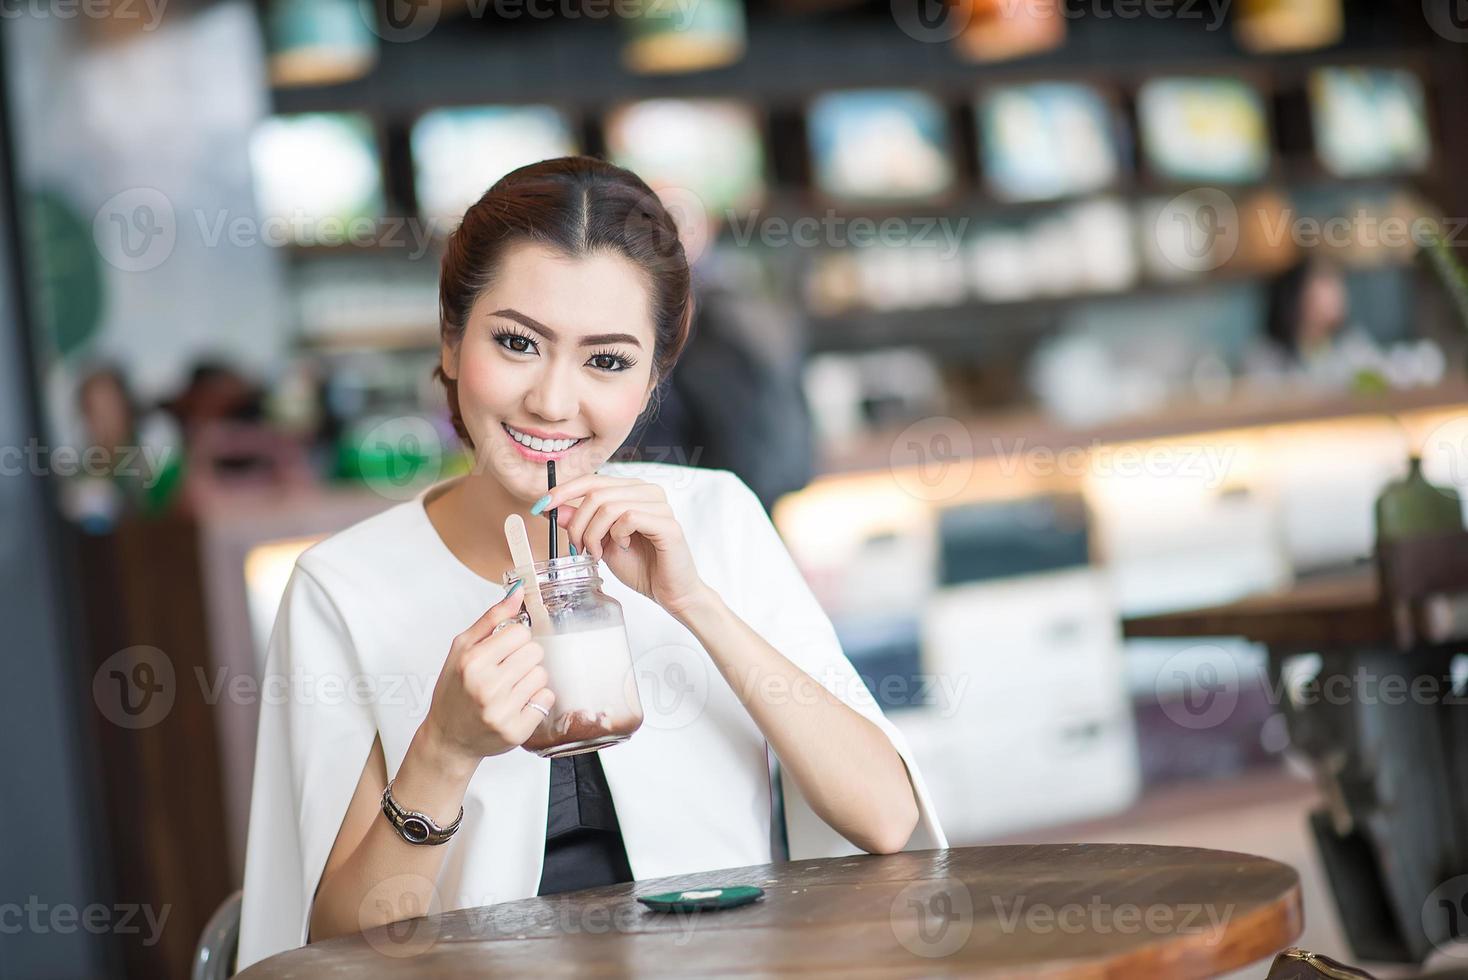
(539, 444)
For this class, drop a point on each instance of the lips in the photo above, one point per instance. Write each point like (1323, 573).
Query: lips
(536, 448)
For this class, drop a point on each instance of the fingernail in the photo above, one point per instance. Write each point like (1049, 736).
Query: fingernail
(573, 547)
(539, 505)
(518, 582)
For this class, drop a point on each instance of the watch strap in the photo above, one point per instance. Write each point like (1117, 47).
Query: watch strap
(414, 826)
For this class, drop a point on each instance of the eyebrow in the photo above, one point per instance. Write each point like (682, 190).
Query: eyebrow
(590, 340)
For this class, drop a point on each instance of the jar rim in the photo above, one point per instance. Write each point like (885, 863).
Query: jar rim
(560, 564)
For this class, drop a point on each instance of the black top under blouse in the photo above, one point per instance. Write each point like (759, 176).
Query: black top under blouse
(583, 842)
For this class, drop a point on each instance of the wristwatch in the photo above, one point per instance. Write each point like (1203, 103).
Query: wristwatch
(415, 827)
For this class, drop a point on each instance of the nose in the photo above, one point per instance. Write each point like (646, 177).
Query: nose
(553, 397)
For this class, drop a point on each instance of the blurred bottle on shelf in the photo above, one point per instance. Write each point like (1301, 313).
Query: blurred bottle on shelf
(1412, 507)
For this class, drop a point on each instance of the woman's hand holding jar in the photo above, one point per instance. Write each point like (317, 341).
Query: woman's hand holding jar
(487, 701)
(491, 692)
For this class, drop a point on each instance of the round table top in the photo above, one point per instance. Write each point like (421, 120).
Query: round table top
(1056, 910)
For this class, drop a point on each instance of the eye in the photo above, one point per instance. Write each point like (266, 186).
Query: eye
(610, 361)
(514, 341)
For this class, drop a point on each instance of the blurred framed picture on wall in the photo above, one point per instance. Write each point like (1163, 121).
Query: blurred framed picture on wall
(1047, 140)
(318, 177)
(1369, 121)
(712, 148)
(1196, 129)
(880, 145)
(458, 153)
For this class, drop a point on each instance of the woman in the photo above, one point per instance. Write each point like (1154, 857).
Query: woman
(564, 300)
(1309, 336)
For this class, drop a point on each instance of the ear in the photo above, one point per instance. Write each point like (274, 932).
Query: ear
(448, 360)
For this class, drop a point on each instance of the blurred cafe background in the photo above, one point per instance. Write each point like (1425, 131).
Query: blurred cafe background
(1101, 362)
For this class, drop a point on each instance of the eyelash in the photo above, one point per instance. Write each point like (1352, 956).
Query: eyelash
(622, 360)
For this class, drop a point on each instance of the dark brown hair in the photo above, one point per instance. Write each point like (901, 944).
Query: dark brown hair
(575, 205)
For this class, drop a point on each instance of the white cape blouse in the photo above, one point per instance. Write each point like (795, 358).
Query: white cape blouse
(362, 631)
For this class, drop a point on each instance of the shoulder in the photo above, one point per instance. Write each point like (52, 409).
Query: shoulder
(379, 547)
(731, 537)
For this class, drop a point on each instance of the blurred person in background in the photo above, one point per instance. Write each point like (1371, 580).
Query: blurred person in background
(228, 444)
(130, 457)
(1309, 314)
(735, 400)
(215, 391)
(1311, 338)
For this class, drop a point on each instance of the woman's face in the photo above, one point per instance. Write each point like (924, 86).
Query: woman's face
(1324, 307)
(558, 348)
(108, 415)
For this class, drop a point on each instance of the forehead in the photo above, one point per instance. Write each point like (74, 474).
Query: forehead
(603, 292)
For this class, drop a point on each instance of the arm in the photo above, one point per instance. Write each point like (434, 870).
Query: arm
(481, 707)
(844, 765)
(368, 853)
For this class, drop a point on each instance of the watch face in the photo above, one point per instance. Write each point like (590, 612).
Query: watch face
(415, 830)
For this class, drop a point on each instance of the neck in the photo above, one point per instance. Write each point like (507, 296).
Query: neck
(469, 515)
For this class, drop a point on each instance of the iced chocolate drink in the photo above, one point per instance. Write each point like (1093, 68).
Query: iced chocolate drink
(587, 660)
(591, 675)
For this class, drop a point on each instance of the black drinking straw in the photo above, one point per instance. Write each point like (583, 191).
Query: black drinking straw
(550, 482)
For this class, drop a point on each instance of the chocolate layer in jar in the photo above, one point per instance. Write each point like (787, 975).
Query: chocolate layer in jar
(582, 731)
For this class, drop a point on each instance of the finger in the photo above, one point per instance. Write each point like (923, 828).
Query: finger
(535, 679)
(601, 522)
(661, 507)
(482, 662)
(506, 608)
(627, 525)
(518, 664)
(593, 502)
(531, 717)
(643, 493)
(584, 484)
(657, 528)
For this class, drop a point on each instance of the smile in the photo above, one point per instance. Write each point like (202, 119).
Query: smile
(534, 447)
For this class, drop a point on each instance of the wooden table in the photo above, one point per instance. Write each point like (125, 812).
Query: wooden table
(1341, 611)
(1057, 910)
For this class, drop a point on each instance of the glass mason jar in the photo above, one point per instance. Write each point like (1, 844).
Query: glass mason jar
(587, 659)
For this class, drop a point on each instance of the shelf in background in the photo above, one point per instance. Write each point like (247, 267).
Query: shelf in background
(1028, 431)
(383, 339)
(1295, 175)
(577, 64)
(976, 326)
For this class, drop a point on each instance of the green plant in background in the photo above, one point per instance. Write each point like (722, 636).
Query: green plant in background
(66, 272)
(1451, 273)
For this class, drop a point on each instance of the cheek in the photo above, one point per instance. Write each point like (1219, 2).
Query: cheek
(483, 383)
(616, 407)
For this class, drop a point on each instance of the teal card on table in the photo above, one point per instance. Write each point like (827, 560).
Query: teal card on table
(697, 899)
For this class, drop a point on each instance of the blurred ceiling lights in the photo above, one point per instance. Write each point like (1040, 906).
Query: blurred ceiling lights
(319, 42)
(667, 36)
(997, 30)
(1288, 25)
